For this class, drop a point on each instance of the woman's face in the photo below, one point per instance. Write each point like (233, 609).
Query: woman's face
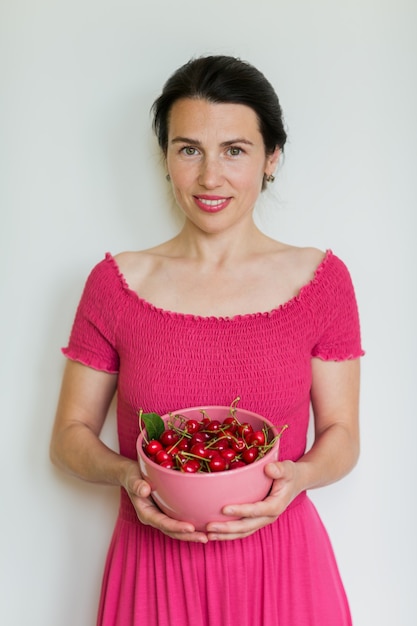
(216, 161)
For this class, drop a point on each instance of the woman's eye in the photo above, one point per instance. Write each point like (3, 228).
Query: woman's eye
(233, 151)
(189, 151)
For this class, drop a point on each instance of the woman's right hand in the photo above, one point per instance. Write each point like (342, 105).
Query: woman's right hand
(139, 492)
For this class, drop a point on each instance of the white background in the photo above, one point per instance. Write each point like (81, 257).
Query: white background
(80, 174)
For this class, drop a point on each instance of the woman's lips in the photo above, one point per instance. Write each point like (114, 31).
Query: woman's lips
(211, 204)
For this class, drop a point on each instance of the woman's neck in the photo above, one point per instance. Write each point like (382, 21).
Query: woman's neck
(219, 249)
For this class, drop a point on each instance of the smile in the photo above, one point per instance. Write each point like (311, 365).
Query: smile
(211, 204)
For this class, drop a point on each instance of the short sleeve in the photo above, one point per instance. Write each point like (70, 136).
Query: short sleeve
(93, 336)
(337, 316)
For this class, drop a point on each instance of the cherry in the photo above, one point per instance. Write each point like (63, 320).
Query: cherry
(162, 456)
(244, 429)
(256, 438)
(183, 444)
(222, 444)
(153, 447)
(191, 466)
(229, 454)
(238, 444)
(236, 464)
(230, 429)
(213, 426)
(192, 426)
(218, 464)
(211, 453)
(204, 422)
(250, 454)
(169, 437)
(199, 437)
(199, 449)
(169, 464)
(173, 450)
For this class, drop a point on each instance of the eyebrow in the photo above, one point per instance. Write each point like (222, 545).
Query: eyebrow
(224, 144)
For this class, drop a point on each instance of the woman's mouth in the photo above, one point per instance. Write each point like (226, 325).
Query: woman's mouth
(211, 204)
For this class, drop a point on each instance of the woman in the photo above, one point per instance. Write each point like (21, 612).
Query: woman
(219, 311)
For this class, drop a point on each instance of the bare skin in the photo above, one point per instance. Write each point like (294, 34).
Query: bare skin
(219, 264)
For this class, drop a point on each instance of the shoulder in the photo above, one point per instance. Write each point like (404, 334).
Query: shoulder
(131, 262)
(136, 266)
(299, 264)
(298, 257)
(306, 260)
(323, 269)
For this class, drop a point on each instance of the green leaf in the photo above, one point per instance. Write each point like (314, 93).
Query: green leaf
(154, 425)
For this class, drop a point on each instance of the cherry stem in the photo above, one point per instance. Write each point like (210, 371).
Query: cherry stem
(142, 431)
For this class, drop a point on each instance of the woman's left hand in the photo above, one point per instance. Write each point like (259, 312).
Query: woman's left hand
(255, 516)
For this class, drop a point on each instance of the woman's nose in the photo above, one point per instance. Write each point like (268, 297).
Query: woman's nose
(211, 174)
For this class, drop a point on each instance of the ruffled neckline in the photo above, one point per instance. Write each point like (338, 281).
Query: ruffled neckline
(304, 290)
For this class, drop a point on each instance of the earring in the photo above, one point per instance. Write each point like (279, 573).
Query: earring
(168, 177)
(270, 178)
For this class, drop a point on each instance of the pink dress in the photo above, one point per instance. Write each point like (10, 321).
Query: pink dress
(283, 575)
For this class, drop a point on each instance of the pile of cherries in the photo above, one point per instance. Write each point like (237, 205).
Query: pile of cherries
(189, 445)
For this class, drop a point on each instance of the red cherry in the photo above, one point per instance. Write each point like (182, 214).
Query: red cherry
(192, 426)
(230, 421)
(222, 444)
(169, 464)
(256, 438)
(230, 428)
(199, 449)
(229, 454)
(191, 466)
(199, 437)
(250, 454)
(169, 437)
(153, 447)
(173, 450)
(211, 453)
(218, 464)
(162, 456)
(236, 464)
(238, 444)
(183, 444)
(213, 426)
(244, 429)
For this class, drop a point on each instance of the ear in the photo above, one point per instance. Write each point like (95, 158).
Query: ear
(272, 161)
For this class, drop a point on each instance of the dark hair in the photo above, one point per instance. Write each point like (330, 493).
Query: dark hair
(222, 79)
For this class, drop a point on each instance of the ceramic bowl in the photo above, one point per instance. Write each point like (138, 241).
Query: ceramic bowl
(199, 498)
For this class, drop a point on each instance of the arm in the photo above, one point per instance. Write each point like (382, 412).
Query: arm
(335, 400)
(83, 404)
(75, 446)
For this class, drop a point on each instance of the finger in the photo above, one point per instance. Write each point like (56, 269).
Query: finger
(143, 489)
(265, 508)
(274, 470)
(194, 537)
(176, 529)
(235, 530)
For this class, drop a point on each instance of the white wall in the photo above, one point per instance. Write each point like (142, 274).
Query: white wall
(79, 175)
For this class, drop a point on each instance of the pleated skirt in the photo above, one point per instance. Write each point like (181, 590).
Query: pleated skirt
(283, 575)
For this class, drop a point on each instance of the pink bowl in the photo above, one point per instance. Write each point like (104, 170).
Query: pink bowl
(199, 498)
